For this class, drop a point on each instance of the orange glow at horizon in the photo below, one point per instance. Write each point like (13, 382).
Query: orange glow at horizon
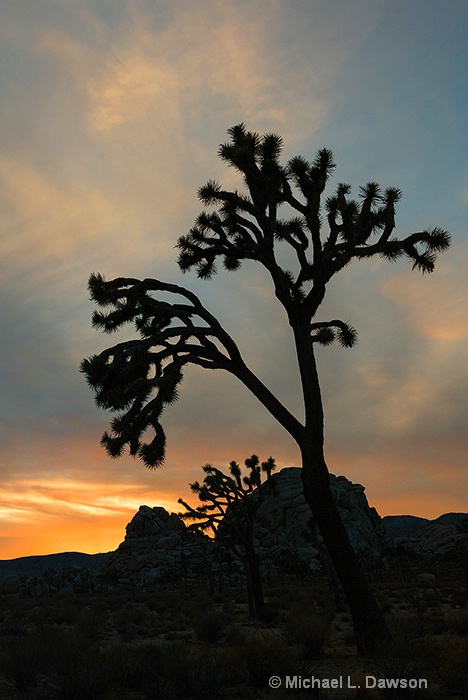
(54, 516)
(45, 517)
(112, 114)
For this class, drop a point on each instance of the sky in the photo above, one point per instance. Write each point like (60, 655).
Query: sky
(111, 117)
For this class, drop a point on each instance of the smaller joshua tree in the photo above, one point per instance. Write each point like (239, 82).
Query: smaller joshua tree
(229, 508)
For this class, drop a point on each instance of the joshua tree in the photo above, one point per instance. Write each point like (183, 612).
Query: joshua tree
(229, 510)
(138, 378)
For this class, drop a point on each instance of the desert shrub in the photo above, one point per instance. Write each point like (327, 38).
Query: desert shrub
(452, 668)
(407, 626)
(433, 597)
(154, 671)
(268, 615)
(308, 631)
(63, 612)
(198, 673)
(180, 635)
(239, 598)
(400, 665)
(12, 626)
(350, 637)
(54, 665)
(129, 632)
(99, 605)
(89, 624)
(139, 669)
(170, 598)
(235, 635)
(386, 606)
(154, 603)
(438, 624)
(304, 669)
(132, 613)
(263, 657)
(459, 622)
(83, 678)
(413, 659)
(458, 599)
(22, 662)
(134, 621)
(326, 606)
(76, 666)
(416, 601)
(210, 626)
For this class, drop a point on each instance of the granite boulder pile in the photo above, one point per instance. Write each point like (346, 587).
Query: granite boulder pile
(284, 521)
(158, 546)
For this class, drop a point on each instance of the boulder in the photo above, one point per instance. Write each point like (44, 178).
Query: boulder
(154, 522)
(284, 520)
(157, 547)
(437, 540)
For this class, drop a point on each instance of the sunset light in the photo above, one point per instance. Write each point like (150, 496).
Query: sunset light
(112, 116)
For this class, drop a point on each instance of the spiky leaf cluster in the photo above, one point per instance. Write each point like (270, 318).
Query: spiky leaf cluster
(246, 225)
(222, 494)
(137, 379)
(326, 332)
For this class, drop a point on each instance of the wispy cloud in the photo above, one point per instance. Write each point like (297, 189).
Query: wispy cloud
(66, 510)
(435, 306)
(111, 115)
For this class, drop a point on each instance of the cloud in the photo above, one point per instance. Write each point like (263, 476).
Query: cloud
(69, 511)
(436, 305)
(156, 73)
(129, 88)
(111, 117)
(211, 64)
(87, 506)
(60, 220)
(61, 497)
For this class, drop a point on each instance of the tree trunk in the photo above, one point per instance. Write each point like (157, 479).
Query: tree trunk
(333, 581)
(372, 633)
(250, 600)
(254, 581)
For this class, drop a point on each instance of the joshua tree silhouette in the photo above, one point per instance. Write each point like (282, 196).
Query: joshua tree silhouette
(138, 378)
(229, 510)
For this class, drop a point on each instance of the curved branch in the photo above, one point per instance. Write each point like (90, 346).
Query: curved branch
(140, 377)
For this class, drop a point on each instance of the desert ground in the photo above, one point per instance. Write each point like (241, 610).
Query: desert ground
(185, 641)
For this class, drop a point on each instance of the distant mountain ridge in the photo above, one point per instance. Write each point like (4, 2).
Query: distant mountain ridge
(404, 525)
(397, 526)
(36, 565)
(411, 525)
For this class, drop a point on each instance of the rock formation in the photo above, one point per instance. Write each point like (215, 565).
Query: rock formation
(431, 539)
(158, 546)
(284, 520)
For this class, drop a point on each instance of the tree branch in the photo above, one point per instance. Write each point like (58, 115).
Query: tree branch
(138, 378)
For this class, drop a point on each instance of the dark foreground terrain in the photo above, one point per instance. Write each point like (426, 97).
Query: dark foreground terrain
(173, 641)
